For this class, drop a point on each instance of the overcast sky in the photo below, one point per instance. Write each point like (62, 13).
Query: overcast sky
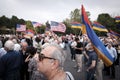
(56, 10)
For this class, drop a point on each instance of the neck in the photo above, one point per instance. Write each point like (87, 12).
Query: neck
(56, 75)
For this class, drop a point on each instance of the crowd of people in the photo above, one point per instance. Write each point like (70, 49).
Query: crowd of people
(42, 57)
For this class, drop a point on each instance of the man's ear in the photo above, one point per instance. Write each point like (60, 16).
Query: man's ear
(55, 64)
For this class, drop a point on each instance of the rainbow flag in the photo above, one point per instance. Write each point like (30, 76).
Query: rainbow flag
(98, 45)
(99, 27)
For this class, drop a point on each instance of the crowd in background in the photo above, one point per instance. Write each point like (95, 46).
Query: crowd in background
(19, 55)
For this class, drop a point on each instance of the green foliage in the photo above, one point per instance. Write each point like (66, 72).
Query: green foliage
(117, 27)
(75, 16)
(10, 22)
(106, 20)
(29, 25)
(4, 21)
(40, 29)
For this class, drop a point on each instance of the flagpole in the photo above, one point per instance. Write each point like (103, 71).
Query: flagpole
(35, 31)
(80, 32)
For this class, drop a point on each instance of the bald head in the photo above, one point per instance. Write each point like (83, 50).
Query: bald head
(24, 45)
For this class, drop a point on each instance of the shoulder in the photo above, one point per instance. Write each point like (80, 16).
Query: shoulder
(69, 76)
(113, 48)
(93, 55)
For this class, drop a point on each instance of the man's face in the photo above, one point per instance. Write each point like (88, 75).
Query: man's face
(45, 60)
(109, 46)
(24, 46)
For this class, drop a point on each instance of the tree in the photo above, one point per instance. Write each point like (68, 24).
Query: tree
(106, 20)
(109, 22)
(21, 21)
(40, 29)
(68, 26)
(4, 21)
(13, 21)
(75, 16)
(29, 25)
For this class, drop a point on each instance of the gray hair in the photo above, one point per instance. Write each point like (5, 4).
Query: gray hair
(9, 45)
(58, 54)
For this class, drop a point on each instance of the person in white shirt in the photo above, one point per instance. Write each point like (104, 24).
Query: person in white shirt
(2, 52)
(113, 53)
(72, 47)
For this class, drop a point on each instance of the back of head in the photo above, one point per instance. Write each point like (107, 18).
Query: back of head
(24, 44)
(14, 40)
(17, 47)
(9, 45)
(76, 39)
(31, 50)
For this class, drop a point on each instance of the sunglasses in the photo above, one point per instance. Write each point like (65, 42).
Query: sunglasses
(42, 56)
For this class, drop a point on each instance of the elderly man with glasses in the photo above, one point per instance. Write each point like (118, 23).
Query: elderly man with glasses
(50, 63)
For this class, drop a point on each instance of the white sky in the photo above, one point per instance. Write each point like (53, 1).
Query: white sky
(56, 10)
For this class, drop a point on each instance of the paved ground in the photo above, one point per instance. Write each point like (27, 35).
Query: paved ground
(68, 66)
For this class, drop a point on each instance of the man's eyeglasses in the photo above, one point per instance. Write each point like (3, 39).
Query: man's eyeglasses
(42, 56)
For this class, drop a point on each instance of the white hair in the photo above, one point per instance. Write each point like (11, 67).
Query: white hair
(9, 45)
(58, 54)
(17, 47)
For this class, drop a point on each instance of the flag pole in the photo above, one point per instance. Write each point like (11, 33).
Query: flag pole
(80, 32)
(35, 31)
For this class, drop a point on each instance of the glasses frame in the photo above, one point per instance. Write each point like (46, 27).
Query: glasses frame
(42, 56)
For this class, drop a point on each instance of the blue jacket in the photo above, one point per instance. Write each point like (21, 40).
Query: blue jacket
(10, 65)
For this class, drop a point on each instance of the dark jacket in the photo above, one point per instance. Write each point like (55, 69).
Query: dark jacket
(10, 65)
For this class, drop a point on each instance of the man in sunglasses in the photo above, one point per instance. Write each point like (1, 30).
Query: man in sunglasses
(50, 63)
